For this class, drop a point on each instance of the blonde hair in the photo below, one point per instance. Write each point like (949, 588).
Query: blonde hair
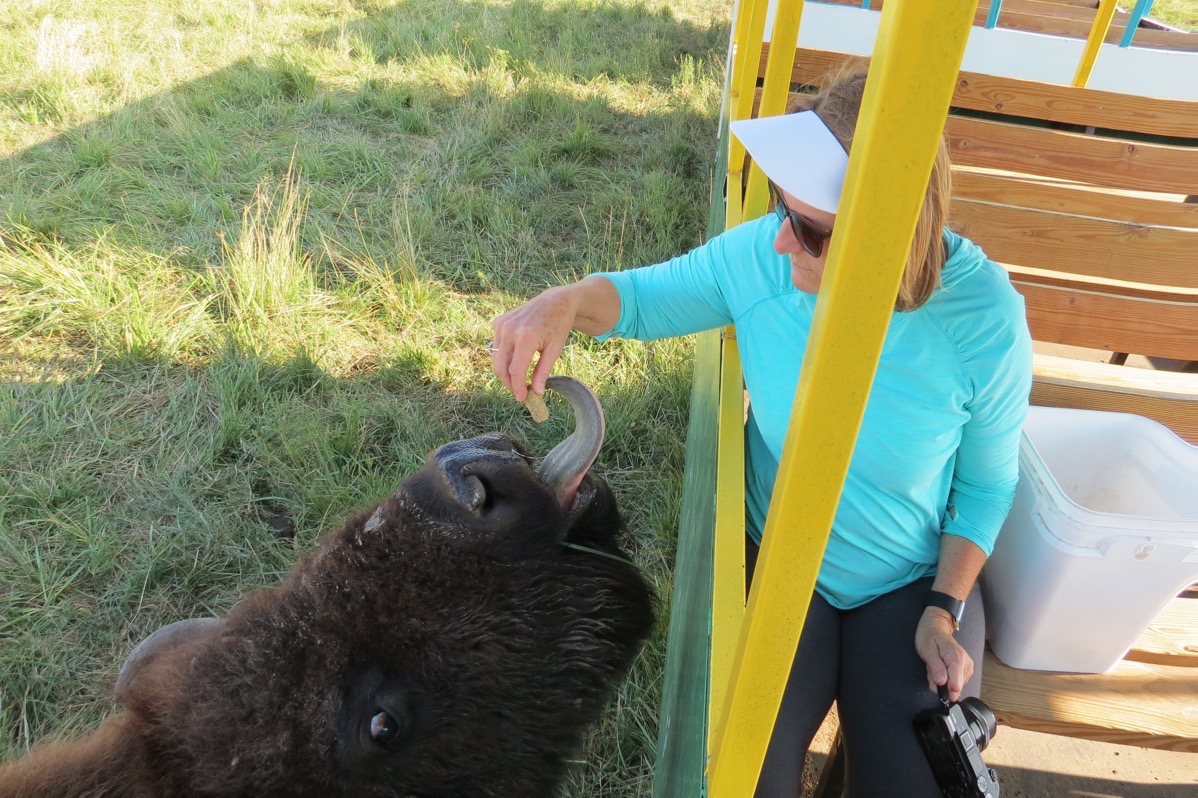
(838, 104)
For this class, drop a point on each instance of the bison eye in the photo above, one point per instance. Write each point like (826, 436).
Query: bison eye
(383, 728)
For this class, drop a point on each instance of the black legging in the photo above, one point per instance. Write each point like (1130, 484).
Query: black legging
(865, 660)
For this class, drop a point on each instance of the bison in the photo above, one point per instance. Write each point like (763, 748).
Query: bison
(452, 641)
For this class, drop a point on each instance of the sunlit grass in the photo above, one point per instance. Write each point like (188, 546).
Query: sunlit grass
(1178, 13)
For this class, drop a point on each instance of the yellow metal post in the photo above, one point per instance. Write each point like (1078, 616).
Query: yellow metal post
(915, 65)
(750, 29)
(728, 589)
(728, 571)
(1098, 31)
(775, 90)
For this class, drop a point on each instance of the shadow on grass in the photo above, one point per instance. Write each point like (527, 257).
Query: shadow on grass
(136, 490)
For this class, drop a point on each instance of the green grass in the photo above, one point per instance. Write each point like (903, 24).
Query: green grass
(1178, 13)
(249, 257)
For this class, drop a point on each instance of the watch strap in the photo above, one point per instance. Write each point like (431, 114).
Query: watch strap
(953, 606)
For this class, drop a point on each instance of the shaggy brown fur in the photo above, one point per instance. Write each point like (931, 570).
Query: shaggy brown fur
(443, 644)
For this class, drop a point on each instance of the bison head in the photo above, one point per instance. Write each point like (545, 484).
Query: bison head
(454, 640)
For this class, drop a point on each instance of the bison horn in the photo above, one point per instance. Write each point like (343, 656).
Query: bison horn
(168, 637)
(567, 463)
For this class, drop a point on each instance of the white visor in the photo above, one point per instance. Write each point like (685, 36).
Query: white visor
(798, 153)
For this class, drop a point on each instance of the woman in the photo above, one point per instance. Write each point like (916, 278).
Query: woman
(897, 611)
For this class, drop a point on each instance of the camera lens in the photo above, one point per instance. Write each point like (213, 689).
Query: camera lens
(980, 719)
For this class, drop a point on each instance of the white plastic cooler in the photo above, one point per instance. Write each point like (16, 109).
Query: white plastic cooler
(1102, 534)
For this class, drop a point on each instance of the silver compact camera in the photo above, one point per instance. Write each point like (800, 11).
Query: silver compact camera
(953, 737)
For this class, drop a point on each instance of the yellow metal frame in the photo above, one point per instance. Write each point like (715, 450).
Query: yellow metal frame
(728, 590)
(775, 89)
(1098, 31)
(750, 28)
(906, 102)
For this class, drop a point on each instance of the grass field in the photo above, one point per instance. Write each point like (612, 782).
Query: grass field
(250, 255)
(1178, 13)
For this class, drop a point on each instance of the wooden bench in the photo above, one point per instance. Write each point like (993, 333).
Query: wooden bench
(1150, 699)
(1082, 196)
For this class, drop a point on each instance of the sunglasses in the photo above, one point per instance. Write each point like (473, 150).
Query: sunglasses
(810, 235)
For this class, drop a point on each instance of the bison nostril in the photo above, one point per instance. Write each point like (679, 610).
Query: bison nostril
(470, 468)
(479, 496)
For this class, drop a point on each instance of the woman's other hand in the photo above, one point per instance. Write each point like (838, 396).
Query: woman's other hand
(947, 661)
(541, 326)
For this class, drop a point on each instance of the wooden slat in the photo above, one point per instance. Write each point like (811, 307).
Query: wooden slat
(1082, 11)
(1077, 106)
(1072, 156)
(1171, 638)
(1078, 282)
(1090, 4)
(1152, 706)
(1155, 328)
(1080, 245)
(1169, 398)
(1035, 100)
(1082, 199)
(1079, 29)
(1143, 382)
(876, 5)
(1070, 20)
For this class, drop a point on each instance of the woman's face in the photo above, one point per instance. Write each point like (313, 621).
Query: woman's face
(806, 272)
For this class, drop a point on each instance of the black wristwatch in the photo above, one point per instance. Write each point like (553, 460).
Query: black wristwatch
(954, 607)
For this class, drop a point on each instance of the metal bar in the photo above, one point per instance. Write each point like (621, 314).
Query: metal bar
(992, 17)
(728, 577)
(728, 586)
(775, 89)
(750, 28)
(906, 102)
(1138, 13)
(1098, 31)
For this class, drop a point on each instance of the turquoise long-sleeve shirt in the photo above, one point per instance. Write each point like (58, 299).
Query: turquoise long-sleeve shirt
(938, 446)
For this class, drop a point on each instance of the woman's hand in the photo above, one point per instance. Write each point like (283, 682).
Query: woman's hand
(947, 661)
(542, 325)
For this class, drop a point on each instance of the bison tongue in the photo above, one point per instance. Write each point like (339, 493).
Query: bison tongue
(567, 463)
